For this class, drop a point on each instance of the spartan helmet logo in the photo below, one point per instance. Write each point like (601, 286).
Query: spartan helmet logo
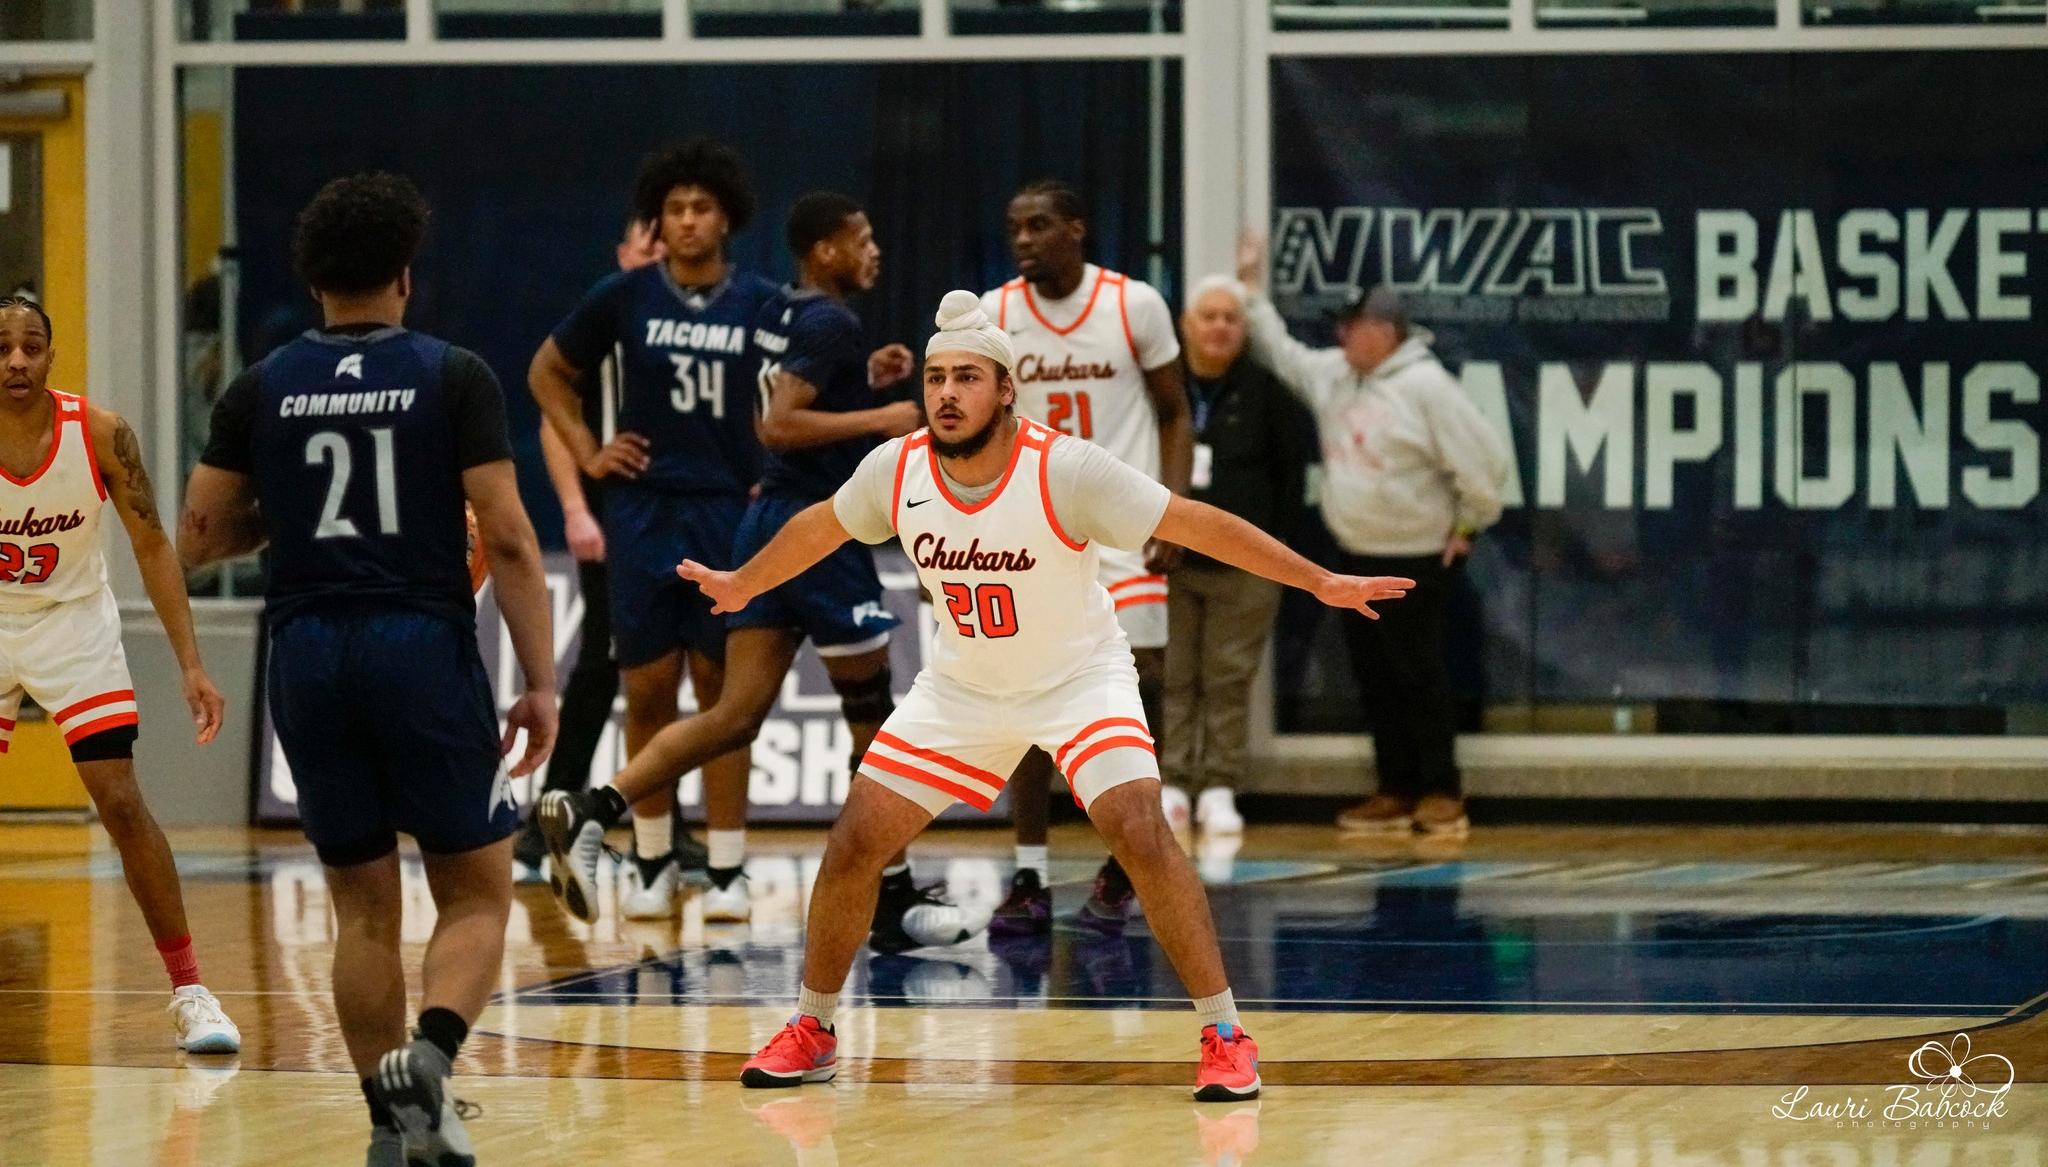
(350, 366)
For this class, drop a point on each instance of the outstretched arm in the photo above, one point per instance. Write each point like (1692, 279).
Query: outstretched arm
(1226, 538)
(809, 537)
(120, 461)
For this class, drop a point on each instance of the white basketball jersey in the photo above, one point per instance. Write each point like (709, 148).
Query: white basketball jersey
(50, 520)
(1082, 378)
(1017, 600)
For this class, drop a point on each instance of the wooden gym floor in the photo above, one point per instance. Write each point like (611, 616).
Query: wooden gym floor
(1549, 997)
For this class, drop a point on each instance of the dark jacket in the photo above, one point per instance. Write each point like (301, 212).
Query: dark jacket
(1261, 441)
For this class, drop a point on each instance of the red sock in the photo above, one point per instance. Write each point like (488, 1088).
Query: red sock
(179, 961)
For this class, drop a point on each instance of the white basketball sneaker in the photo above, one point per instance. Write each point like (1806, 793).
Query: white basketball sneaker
(202, 1027)
(1216, 812)
(730, 904)
(650, 899)
(1174, 801)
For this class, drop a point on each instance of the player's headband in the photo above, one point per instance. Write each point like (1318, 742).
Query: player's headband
(965, 328)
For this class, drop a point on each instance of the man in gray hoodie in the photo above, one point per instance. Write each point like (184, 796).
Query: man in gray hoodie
(1412, 472)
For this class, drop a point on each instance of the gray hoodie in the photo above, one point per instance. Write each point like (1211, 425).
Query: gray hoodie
(1407, 458)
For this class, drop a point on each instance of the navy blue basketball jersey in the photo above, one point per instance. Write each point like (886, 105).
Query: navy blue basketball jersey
(357, 442)
(686, 373)
(813, 336)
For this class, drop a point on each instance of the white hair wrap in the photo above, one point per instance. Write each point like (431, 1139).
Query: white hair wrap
(965, 328)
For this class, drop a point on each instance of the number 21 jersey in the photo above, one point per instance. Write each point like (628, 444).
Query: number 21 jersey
(357, 442)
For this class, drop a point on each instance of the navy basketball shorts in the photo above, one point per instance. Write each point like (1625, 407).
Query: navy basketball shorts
(646, 534)
(837, 603)
(387, 720)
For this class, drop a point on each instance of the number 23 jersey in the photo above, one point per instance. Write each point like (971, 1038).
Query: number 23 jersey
(1010, 566)
(50, 521)
(357, 442)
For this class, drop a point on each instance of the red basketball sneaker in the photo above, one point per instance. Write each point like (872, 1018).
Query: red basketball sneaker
(1230, 1065)
(805, 1052)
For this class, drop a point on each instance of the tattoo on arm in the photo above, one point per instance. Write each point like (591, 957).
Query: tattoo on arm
(140, 495)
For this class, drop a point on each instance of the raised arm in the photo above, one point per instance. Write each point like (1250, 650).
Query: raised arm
(809, 537)
(120, 463)
(1293, 362)
(1226, 538)
(514, 555)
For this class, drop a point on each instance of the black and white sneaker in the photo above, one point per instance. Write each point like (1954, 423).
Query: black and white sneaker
(575, 840)
(412, 1083)
(921, 918)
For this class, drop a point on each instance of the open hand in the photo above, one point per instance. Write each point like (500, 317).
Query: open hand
(207, 705)
(625, 456)
(1251, 259)
(722, 586)
(890, 364)
(536, 713)
(1358, 592)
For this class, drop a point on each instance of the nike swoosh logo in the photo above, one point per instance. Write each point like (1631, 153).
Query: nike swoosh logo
(917, 503)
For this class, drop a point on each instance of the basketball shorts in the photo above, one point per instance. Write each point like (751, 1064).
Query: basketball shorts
(1140, 596)
(946, 742)
(646, 533)
(68, 657)
(837, 603)
(387, 720)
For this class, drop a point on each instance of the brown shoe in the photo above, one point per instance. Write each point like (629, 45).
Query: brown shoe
(1440, 814)
(1382, 814)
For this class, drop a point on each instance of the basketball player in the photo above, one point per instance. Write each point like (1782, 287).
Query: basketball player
(819, 419)
(351, 451)
(61, 461)
(1004, 519)
(1097, 359)
(677, 477)
(594, 682)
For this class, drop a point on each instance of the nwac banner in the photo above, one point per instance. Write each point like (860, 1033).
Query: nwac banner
(800, 758)
(1766, 333)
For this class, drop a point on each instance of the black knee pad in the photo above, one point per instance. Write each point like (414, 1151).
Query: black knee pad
(108, 745)
(867, 700)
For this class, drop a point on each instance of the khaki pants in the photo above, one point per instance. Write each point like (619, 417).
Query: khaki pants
(1218, 621)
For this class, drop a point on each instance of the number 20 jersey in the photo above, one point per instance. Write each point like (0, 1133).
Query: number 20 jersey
(50, 521)
(1018, 604)
(354, 451)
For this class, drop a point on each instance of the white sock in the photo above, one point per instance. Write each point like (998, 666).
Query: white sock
(728, 848)
(653, 835)
(1033, 859)
(815, 1004)
(1220, 1009)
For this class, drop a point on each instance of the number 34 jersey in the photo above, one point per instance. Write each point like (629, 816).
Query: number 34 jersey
(50, 520)
(1011, 566)
(357, 442)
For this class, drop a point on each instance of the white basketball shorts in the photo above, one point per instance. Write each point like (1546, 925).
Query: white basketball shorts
(947, 742)
(1140, 596)
(69, 658)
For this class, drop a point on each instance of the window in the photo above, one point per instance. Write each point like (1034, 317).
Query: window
(1015, 17)
(293, 20)
(1924, 11)
(1654, 13)
(539, 19)
(1329, 15)
(46, 20)
(716, 18)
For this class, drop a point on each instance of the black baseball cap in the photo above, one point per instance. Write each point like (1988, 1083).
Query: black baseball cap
(1380, 303)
